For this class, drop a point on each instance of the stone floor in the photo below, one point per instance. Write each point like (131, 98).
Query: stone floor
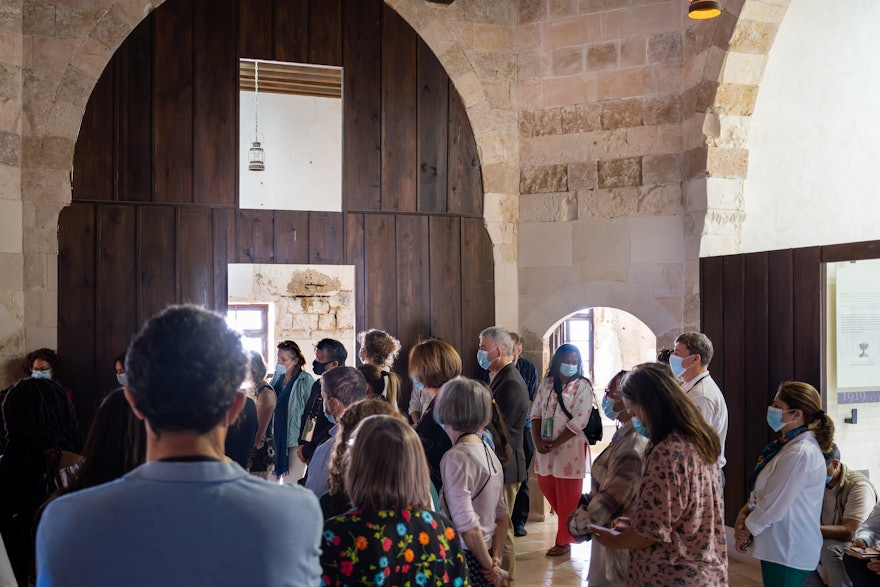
(534, 568)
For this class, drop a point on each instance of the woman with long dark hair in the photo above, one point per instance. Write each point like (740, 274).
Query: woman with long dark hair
(781, 518)
(676, 533)
(560, 412)
(43, 437)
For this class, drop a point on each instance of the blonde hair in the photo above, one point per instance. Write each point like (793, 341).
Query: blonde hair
(804, 397)
(385, 468)
(377, 383)
(380, 347)
(434, 362)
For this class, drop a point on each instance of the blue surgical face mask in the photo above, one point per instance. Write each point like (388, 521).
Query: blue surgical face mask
(417, 385)
(568, 370)
(483, 359)
(675, 364)
(280, 369)
(608, 408)
(774, 418)
(122, 379)
(41, 374)
(329, 415)
(639, 427)
(828, 479)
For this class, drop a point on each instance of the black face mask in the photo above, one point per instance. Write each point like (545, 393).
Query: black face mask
(318, 367)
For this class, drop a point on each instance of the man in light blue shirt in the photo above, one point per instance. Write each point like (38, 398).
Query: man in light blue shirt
(186, 516)
(340, 388)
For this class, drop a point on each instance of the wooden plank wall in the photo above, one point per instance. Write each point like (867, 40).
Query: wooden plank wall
(763, 312)
(155, 220)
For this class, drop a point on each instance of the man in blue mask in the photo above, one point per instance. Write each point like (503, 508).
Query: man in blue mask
(689, 362)
(512, 396)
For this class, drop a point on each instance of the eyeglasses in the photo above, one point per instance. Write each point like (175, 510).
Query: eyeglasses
(288, 345)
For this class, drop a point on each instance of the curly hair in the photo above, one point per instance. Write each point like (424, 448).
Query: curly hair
(668, 408)
(45, 354)
(804, 397)
(184, 369)
(379, 347)
(349, 420)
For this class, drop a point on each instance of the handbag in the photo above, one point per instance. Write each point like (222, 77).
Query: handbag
(593, 429)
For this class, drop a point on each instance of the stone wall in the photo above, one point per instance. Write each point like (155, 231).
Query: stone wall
(309, 302)
(620, 341)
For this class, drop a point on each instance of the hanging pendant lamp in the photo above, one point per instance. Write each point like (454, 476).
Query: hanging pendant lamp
(256, 155)
(704, 9)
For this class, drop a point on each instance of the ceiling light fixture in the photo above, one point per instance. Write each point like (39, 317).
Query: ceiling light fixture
(256, 155)
(704, 9)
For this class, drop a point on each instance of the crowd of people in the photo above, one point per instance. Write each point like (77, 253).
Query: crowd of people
(229, 474)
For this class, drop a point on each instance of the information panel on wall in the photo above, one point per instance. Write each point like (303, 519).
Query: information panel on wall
(857, 302)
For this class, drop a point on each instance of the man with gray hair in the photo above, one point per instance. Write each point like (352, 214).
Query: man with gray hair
(512, 397)
(689, 362)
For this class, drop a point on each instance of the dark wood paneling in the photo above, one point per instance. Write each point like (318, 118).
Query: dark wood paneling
(851, 252)
(477, 289)
(780, 334)
(196, 256)
(355, 254)
(134, 139)
(325, 32)
(433, 86)
(326, 238)
(292, 31)
(255, 237)
(215, 140)
(173, 103)
(807, 297)
(465, 179)
(413, 283)
(362, 144)
(77, 314)
(291, 236)
(255, 29)
(399, 113)
(224, 239)
(445, 269)
(711, 308)
(733, 343)
(116, 272)
(381, 262)
(93, 154)
(157, 253)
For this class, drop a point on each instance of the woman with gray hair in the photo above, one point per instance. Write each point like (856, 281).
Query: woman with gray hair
(262, 461)
(473, 481)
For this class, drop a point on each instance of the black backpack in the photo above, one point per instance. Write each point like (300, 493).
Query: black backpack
(593, 429)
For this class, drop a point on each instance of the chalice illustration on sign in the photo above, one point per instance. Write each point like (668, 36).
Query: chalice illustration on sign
(864, 347)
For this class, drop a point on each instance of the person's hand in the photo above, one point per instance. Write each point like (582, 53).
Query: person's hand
(541, 447)
(549, 445)
(496, 575)
(874, 566)
(859, 543)
(299, 453)
(621, 524)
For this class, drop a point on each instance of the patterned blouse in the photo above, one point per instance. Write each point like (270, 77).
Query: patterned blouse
(568, 461)
(680, 504)
(392, 547)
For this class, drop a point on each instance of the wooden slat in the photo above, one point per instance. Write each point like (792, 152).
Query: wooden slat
(215, 141)
(255, 237)
(292, 30)
(399, 113)
(807, 302)
(116, 273)
(224, 225)
(362, 138)
(355, 253)
(413, 278)
(291, 236)
(326, 238)
(134, 137)
(445, 281)
(255, 29)
(173, 85)
(465, 178)
(325, 32)
(157, 246)
(780, 329)
(196, 256)
(381, 262)
(93, 154)
(477, 289)
(712, 310)
(76, 306)
(433, 111)
(733, 344)
(850, 252)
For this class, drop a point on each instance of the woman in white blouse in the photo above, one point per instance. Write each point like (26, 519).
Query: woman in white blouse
(780, 523)
(562, 450)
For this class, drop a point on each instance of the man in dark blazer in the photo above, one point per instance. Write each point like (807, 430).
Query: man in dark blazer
(511, 394)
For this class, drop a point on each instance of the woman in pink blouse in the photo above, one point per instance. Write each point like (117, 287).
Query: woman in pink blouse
(676, 534)
(561, 462)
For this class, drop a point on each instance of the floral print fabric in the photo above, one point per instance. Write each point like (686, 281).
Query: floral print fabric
(392, 547)
(680, 505)
(569, 461)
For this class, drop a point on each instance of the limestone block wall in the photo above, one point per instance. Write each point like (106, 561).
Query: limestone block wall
(309, 302)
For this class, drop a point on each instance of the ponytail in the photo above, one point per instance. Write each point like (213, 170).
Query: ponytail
(804, 397)
(823, 429)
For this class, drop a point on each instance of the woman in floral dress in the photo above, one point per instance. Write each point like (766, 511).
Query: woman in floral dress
(676, 534)
(390, 537)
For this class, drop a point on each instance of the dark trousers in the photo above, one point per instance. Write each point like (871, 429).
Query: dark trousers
(520, 514)
(859, 573)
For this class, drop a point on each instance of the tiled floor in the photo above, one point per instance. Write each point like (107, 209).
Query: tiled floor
(534, 568)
